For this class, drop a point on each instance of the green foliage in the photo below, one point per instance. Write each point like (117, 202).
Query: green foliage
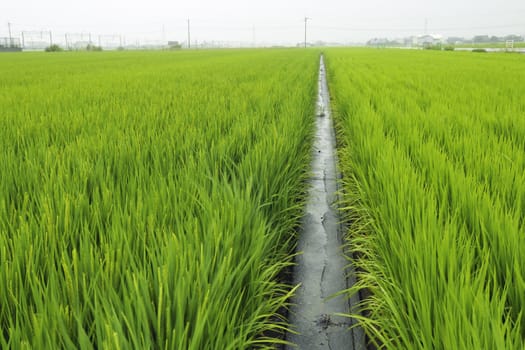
(431, 148)
(54, 48)
(479, 50)
(436, 47)
(153, 202)
(91, 47)
(174, 45)
(500, 45)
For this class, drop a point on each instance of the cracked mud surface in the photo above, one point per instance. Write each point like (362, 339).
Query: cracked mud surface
(320, 268)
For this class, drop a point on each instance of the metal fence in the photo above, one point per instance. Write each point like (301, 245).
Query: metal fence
(10, 43)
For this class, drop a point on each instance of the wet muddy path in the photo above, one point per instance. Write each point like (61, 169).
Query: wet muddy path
(320, 268)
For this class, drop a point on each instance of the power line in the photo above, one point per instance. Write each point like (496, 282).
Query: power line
(10, 37)
(305, 21)
(189, 42)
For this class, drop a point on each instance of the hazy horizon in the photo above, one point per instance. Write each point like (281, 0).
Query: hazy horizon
(271, 22)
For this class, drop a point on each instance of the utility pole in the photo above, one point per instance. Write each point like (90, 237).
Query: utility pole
(10, 37)
(50, 38)
(189, 43)
(23, 41)
(305, 21)
(67, 45)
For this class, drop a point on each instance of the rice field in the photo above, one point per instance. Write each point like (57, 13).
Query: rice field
(431, 146)
(150, 199)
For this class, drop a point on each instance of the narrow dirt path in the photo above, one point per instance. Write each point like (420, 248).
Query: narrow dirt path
(320, 268)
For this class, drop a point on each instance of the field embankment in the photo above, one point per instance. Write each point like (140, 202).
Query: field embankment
(321, 268)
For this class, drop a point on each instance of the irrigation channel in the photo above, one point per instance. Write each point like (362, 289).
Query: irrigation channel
(321, 267)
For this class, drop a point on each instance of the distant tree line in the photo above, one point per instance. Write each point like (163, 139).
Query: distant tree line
(485, 39)
(58, 48)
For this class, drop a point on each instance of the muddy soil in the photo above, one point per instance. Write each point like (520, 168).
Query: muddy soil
(321, 269)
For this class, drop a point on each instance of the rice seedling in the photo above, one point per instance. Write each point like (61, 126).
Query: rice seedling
(149, 199)
(431, 147)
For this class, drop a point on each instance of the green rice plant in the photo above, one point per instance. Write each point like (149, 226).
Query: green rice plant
(150, 199)
(431, 147)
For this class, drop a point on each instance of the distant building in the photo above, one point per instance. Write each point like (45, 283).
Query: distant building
(429, 40)
(455, 40)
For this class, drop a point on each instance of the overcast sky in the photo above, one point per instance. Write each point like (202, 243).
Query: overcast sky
(276, 21)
